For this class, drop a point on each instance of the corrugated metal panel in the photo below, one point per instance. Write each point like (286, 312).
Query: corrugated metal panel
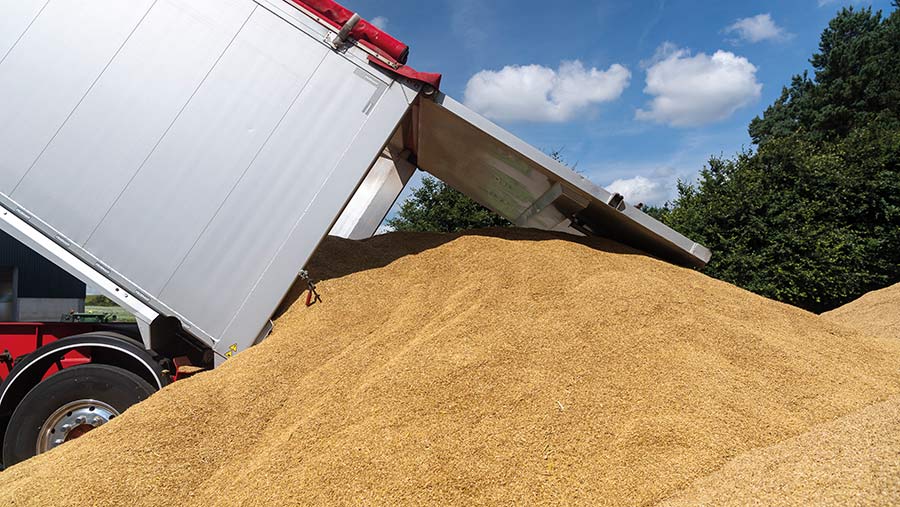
(37, 277)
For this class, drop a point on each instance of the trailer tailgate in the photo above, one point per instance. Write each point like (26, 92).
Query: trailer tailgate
(521, 183)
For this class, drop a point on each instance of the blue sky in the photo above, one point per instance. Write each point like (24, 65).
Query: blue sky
(658, 87)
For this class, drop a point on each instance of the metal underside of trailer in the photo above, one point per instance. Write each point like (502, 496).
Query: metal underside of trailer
(531, 189)
(508, 176)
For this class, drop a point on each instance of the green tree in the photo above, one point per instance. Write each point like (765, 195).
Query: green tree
(855, 81)
(436, 207)
(812, 217)
(98, 300)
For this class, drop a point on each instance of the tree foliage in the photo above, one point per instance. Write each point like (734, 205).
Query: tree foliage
(98, 300)
(437, 207)
(812, 216)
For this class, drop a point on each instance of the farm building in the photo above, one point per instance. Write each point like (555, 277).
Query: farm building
(33, 288)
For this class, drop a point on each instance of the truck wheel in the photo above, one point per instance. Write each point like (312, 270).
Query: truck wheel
(67, 405)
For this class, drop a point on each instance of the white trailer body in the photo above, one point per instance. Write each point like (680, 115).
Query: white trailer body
(188, 156)
(194, 152)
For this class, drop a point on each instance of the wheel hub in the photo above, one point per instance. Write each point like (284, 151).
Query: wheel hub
(71, 421)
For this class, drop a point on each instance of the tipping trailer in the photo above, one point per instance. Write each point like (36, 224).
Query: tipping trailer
(186, 157)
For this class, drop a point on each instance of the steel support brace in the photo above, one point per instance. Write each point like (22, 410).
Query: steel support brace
(552, 209)
(375, 196)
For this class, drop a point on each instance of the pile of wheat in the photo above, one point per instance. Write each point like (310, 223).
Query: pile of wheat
(507, 368)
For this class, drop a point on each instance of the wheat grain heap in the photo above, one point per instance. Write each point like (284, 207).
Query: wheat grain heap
(876, 313)
(505, 367)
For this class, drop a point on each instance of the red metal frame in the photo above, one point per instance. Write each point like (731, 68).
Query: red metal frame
(21, 338)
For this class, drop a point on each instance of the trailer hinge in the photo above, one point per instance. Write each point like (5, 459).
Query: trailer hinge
(23, 214)
(343, 35)
(617, 201)
(6, 358)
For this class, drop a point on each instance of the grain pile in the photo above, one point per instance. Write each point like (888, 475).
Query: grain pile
(509, 367)
(876, 313)
(853, 460)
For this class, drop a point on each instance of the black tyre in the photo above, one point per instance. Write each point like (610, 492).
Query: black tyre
(67, 405)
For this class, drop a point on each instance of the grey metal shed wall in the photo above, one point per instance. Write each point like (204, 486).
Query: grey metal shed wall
(38, 277)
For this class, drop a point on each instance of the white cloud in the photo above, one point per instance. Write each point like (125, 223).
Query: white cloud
(641, 189)
(663, 51)
(381, 22)
(758, 28)
(823, 3)
(537, 93)
(471, 22)
(696, 90)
